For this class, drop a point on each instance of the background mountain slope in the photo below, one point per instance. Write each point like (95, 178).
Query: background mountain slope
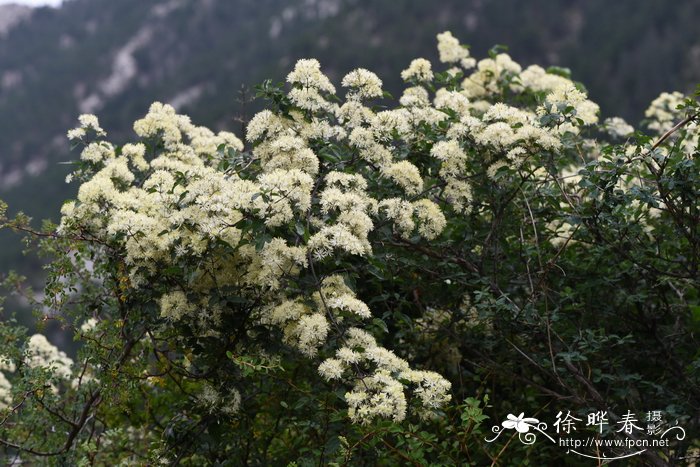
(114, 57)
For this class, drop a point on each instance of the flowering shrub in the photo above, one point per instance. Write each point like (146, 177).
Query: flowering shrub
(340, 290)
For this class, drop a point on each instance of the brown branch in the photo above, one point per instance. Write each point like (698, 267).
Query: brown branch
(677, 127)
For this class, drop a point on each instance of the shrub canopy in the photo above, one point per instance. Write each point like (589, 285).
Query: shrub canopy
(367, 281)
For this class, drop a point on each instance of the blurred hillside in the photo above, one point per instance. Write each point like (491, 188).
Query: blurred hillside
(114, 57)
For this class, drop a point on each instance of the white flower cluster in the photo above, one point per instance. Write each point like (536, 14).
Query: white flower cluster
(213, 400)
(89, 325)
(419, 70)
(483, 88)
(310, 83)
(406, 175)
(536, 78)
(663, 111)
(88, 124)
(337, 297)
(174, 306)
(305, 325)
(453, 170)
(568, 96)
(275, 261)
(381, 393)
(363, 84)
(452, 52)
(39, 353)
(406, 215)
(618, 127)
(303, 328)
(5, 392)
(489, 73)
(177, 206)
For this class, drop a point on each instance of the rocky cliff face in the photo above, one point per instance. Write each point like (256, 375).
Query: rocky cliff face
(10, 15)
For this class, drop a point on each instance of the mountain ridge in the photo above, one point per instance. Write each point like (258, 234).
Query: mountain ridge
(10, 15)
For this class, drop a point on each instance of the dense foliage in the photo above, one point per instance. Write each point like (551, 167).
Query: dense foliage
(369, 281)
